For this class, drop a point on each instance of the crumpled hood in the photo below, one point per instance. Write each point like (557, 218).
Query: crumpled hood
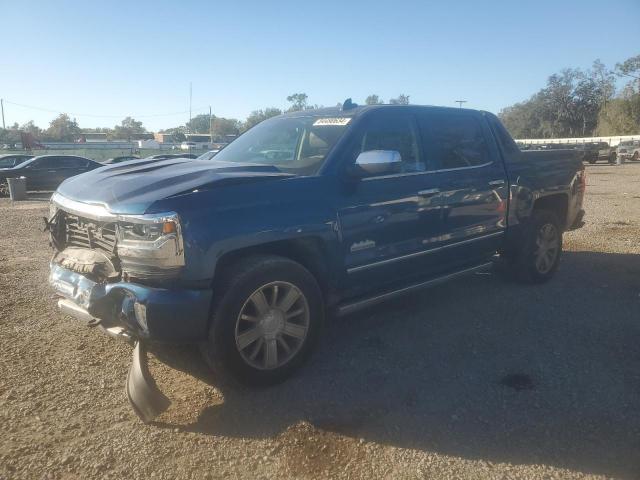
(131, 187)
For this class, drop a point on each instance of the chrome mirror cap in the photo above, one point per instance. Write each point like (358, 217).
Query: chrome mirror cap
(378, 162)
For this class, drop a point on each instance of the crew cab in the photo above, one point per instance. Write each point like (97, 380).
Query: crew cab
(307, 215)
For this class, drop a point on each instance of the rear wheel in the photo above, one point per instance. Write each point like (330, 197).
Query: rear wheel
(266, 321)
(538, 255)
(4, 188)
(636, 157)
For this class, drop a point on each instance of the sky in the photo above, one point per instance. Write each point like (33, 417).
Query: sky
(102, 61)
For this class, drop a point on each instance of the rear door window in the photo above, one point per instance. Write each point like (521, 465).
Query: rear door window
(72, 162)
(453, 140)
(45, 163)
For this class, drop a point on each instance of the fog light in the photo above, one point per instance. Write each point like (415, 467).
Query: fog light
(140, 311)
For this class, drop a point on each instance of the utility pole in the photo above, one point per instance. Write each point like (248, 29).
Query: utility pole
(2, 108)
(190, 96)
(210, 126)
(460, 102)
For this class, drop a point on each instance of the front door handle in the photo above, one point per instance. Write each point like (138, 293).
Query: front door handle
(428, 192)
(494, 183)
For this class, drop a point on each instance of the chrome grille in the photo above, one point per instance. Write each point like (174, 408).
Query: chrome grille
(85, 233)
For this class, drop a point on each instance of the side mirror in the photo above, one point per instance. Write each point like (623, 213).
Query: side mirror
(377, 162)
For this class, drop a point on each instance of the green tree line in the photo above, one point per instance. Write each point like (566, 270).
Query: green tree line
(580, 103)
(66, 129)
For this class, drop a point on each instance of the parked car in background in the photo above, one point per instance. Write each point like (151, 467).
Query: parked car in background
(12, 160)
(208, 155)
(123, 158)
(319, 211)
(629, 150)
(606, 152)
(188, 145)
(46, 172)
(590, 151)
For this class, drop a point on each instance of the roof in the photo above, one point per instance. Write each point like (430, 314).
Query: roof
(360, 109)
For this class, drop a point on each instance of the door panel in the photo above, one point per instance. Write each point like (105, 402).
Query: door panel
(386, 226)
(473, 185)
(388, 221)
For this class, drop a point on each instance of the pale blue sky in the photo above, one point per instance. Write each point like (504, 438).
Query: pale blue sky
(115, 59)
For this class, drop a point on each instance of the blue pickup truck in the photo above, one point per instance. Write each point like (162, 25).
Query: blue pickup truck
(307, 215)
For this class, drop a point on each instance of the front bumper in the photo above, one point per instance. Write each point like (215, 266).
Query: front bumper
(134, 311)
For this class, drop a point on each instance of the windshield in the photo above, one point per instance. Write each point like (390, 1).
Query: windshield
(7, 162)
(295, 145)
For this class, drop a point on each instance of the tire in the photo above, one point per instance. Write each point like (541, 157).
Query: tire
(592, 162)
(4, 188)
(636, 157)
(526, 264)
(266, 321)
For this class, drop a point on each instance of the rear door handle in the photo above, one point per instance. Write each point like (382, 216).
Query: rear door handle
(428, 192)
(497, 182)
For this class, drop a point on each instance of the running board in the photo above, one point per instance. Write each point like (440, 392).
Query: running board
(348, 308)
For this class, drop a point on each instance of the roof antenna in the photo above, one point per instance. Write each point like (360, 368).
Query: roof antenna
(348, 104)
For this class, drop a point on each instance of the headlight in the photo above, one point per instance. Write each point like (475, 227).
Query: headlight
(150, 246)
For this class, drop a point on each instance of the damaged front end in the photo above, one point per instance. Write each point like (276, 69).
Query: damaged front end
(108, 271)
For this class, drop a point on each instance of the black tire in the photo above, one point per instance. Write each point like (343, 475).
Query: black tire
(592, 162)
(241, 281)
(635, 157)
(524, 263)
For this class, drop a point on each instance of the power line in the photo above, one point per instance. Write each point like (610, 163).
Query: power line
(49, 110)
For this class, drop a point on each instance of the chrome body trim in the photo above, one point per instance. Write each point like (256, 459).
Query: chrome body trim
(100, 213)
(368, 302)
(423, 252)
(426, 172)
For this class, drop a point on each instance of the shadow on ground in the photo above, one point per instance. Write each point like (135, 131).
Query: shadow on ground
(479, 368)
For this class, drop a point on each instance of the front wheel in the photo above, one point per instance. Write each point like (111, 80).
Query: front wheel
(266, 321)
(537, 258)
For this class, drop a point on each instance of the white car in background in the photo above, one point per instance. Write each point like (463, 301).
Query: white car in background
(629, 150)
(188, 146)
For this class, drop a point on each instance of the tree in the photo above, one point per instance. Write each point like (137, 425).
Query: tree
(63, 129)
(10, 135)
(258, 116)
(199, 124)
(31, 128)
(128, 128)
(402, 99)
(373, 100)
(298, 102)
(225, 126)
(568, 106)
(630, 68)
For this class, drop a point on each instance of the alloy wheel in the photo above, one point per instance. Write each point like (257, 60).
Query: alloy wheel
(272, 325)
(547, 248)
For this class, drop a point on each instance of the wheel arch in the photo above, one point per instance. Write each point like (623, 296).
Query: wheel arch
(557, 203)
(311, 252)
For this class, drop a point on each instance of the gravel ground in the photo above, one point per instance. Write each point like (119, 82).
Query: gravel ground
(512, 382)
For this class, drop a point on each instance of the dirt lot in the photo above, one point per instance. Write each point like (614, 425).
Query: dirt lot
(511, 382)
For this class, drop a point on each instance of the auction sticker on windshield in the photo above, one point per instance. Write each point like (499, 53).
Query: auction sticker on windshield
(336, 121)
